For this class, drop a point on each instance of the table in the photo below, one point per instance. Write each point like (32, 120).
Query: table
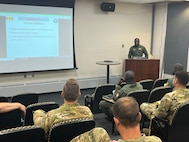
(108, 63)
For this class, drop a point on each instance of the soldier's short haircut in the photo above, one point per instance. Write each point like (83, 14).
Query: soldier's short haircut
(129, 76)
(177, 67)
(182, 77)
(136, 39)
(71, 90)
(126, 110)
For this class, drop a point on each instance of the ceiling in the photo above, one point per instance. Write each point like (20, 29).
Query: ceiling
(148, 1)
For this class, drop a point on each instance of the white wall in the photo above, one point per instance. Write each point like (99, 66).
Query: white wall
(98, 36)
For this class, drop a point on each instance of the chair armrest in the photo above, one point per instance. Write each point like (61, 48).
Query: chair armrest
(160, 127)
(89, 96)
(163, 120)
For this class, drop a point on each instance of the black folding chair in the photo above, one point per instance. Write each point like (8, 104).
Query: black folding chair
(157, 93)
(26, 98)
(46, 106)
(92, 101)
(66, 131)
(23, 134)
(10, 119)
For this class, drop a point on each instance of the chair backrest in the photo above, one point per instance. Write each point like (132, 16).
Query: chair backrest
(65, 131)
(179, 130)
(10, 119)
(159, 82)
(23, 134)
(46, 106)
(157, 93)
(147, 84)
(4, 99)
(26, 98)
(140, 95)
(98, 93)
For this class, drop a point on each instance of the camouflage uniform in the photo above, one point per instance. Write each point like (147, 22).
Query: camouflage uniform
(95, 135)
(105, 106)
(166, 107)
(143, 138)
(137, 51)
(100, 135)
(63, 113)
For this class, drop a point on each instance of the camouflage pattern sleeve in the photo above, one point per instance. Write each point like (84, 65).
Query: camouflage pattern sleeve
(95, 135)
(159, 108)
(152, 139)
(38, 119)
(148, 109)
(64, 113)
(164, 106)
(170, 103)
(143, 138)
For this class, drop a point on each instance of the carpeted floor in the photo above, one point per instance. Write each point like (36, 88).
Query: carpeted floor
(99, 118)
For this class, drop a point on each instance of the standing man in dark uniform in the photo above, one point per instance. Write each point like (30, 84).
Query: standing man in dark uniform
(137, 50)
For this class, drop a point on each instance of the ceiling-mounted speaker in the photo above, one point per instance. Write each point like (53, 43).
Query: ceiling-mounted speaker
(106, 6)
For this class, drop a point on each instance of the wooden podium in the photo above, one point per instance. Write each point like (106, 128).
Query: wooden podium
(143, 68)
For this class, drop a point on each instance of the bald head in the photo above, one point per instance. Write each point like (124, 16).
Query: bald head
(129, 77)
(126, 110)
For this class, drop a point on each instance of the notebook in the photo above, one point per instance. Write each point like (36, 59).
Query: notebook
(108, 98)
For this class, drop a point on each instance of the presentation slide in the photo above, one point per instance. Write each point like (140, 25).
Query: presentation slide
(35, 38)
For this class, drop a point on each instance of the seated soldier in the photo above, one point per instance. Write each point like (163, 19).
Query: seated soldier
(131, 85)
(176, 67)
(166, 107)
(97, 134)
(69, 110)
(126, 117)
